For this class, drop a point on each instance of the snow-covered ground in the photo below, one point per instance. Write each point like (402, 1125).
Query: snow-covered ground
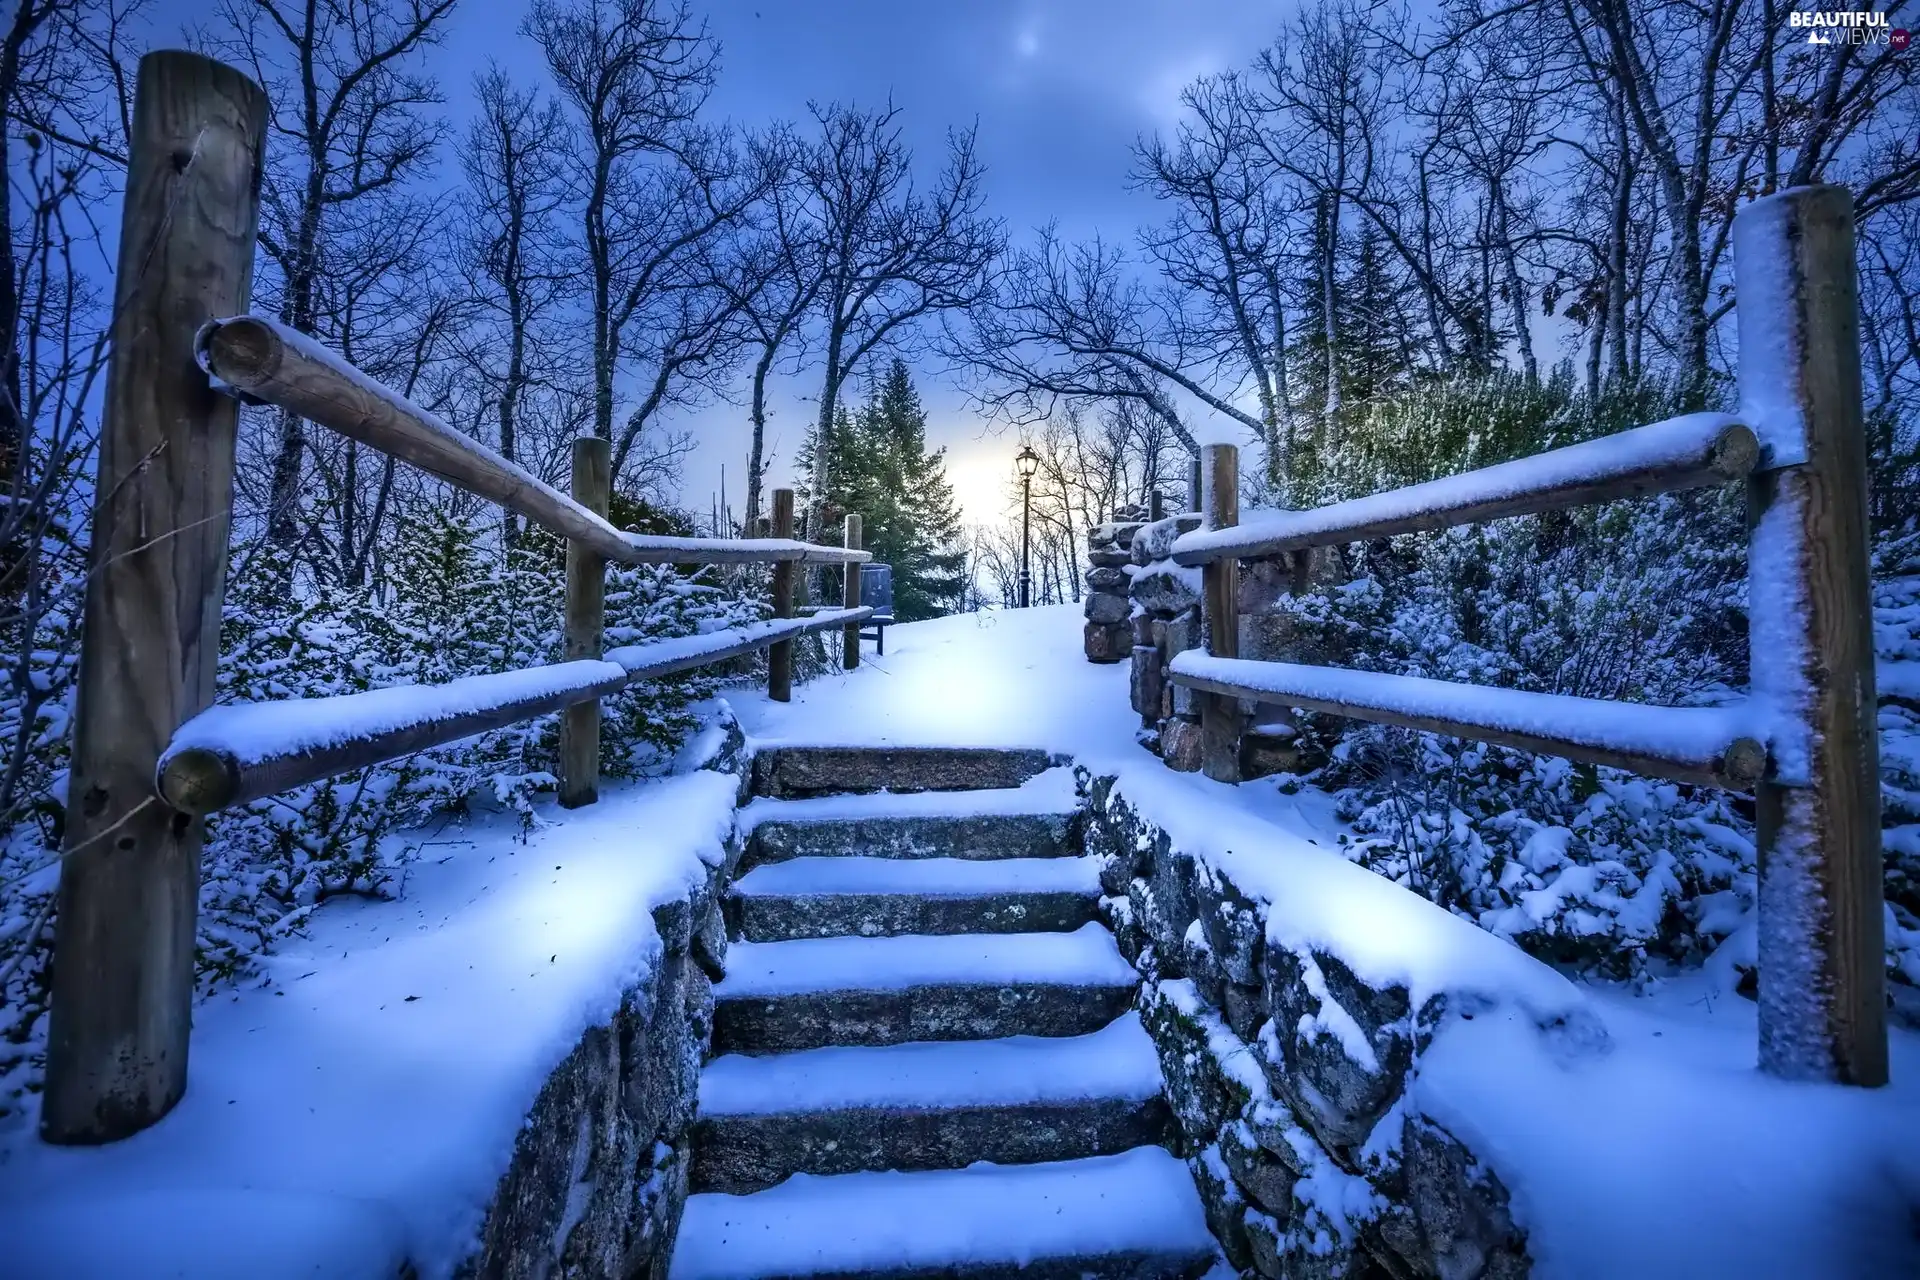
(359, 1108)
(1654, 1149)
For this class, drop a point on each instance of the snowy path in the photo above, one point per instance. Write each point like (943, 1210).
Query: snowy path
(929, 1062)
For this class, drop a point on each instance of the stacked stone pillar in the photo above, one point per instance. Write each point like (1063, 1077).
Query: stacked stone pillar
(1164, 601)
(1109, 633)
(1167, 600)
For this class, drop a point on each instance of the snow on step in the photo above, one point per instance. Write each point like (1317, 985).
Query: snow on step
(1046, 793)
(1117, 1061)
(927, 877)
(1140, 1202)
(1087, 957)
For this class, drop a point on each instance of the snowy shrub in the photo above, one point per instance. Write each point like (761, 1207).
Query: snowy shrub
(40, 627)
(455, 608)
(1587, 866)
(1443, 426)
(451, 604)
(1896, 628)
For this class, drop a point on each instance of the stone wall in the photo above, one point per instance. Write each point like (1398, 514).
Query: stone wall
(1289, 1076)
(599, 1172)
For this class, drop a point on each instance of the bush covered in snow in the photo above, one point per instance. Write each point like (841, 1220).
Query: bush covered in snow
(1601, 870)
(1585, 865)
(1896, 626)
(451, 604)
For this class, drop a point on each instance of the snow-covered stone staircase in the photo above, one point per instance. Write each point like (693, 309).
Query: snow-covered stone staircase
(926, 1059)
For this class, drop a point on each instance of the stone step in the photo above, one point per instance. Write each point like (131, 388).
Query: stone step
(869, 897)
(811, 992)
(1131, 1216)
(789, 772)
(1038, 819)
(936, 1105)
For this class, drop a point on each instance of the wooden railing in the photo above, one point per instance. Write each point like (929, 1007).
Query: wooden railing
(1805, 739)
(151, 754)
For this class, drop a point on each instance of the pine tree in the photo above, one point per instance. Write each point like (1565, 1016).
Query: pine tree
(881, 469)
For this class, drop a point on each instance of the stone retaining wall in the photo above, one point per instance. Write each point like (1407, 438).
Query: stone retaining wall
(599, 1173)
(1289, 1076)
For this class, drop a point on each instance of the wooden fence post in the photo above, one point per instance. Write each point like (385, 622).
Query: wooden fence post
(122, 990)
(850, 596)
(586, 621)
(1821, 958)
(780, 652)
(1220, 610)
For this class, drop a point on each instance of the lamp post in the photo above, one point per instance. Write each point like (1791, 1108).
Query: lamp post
(1026, 462)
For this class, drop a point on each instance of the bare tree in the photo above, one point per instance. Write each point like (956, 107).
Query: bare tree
(655, 190)
(776, 286)
(349, 124)
(1227, 250)
(888, 252)
(515, 190)
(1072, 323)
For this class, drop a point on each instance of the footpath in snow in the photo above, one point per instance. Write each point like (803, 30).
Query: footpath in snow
(1638, 1139)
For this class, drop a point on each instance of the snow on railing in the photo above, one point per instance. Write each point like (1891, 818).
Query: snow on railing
(240, 752)
(1691, 452)
(267, 362)
(663, 657)
(1715, 746)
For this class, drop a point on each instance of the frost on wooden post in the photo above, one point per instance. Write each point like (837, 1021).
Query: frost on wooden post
(1777, 632)
(1793, 913)
(1771, 344)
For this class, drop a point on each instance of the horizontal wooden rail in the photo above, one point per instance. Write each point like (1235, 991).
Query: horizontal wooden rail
(1696, 451)
(663, 657)
(266, 361)
(240, 752)
(1712, 746)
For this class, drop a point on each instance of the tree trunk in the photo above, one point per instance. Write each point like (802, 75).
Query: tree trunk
(756, 451)
(605, 353)
(1329, 304)
(1516, 290)
(823, 432)
(1618, 232)
(516, 359)
(283, 501)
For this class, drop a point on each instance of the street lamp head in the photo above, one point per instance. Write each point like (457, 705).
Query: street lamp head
(1026, 461)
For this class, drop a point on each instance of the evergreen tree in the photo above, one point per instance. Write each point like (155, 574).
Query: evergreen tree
(881, 469)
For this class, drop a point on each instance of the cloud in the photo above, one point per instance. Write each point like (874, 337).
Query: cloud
(1159, 92)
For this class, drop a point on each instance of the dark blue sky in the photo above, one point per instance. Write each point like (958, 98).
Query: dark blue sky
(1060, 90)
